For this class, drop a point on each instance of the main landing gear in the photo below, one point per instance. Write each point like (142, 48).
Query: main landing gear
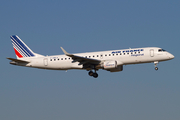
(94, 74)
(155, 64)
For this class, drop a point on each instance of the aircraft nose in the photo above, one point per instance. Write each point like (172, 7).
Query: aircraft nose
(171, 56)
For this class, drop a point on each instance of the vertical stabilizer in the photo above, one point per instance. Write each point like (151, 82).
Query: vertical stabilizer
(20, 48)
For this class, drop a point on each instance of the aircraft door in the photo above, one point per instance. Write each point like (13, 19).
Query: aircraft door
(45, 62)
(151, 52)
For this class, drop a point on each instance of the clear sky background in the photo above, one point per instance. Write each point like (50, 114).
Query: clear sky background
(137, 93)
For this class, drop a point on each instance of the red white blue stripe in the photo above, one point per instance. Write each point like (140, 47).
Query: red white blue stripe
(20, 48)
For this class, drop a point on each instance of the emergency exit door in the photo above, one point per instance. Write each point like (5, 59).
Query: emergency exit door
(151, 52)
(45, 62)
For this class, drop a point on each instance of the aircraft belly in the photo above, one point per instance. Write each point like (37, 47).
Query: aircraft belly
(60, 65)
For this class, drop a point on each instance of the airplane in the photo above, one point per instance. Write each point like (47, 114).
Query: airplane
(112, 60)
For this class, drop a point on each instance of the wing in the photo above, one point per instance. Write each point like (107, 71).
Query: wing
(81, 60)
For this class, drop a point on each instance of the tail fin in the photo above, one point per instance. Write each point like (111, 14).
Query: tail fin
(20, 48)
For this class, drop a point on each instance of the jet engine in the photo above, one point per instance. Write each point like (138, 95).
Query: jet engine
(112, 66)
(109, 64)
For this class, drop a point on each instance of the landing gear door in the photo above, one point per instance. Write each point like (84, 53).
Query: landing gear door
(152, 52)
(45, 62)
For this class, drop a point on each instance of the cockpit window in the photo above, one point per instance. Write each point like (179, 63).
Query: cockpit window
(161, 50)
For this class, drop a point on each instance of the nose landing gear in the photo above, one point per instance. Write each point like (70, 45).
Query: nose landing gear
(94, 74)
(155, 64)
(156, 68)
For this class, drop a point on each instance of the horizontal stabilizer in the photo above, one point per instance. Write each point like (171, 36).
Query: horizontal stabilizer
(19, 61)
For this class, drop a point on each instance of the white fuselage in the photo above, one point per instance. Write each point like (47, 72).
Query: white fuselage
(122, 57)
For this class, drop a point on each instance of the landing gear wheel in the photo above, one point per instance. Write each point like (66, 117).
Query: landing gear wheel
(156, 68)
(90, 73)
(155, 63)
(95, 75)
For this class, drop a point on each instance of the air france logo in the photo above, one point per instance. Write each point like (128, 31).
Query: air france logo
(127, 51)
(109, 64)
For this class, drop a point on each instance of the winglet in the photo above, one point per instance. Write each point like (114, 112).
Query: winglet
(66, 53)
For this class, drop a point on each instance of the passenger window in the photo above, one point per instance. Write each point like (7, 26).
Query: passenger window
(54, 59)
(65, 58)
(116, 54)
(124, 53)
(69, 58)
(97, 55)
(109, 54)
(50, 59)
(61, 58)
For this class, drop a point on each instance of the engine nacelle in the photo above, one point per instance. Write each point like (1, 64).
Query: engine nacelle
(119, 68)
(110, 65)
